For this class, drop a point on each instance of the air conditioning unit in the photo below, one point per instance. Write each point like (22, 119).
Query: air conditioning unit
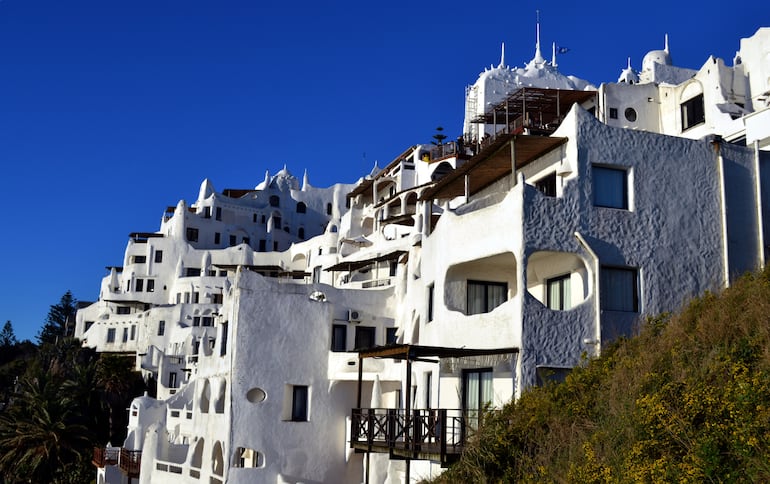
(354, 315)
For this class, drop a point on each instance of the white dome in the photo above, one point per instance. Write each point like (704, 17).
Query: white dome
(656, 57)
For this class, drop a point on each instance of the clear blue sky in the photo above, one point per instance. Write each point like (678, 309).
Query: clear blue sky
(111, 110)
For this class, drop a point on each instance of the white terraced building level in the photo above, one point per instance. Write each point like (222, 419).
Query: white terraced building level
(353, 334)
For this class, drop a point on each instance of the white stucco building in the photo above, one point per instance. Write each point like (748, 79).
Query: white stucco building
(353, 334)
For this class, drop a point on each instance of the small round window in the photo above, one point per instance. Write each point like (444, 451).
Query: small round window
(256, 395)
(630, 114)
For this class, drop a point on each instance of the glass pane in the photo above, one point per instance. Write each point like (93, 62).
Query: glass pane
(476, 302)
(496, 295)
(609, 187)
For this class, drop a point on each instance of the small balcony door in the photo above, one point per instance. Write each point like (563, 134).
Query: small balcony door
(477, 393)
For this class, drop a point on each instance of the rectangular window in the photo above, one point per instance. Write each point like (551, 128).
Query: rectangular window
(428, 389)
(124, 310)
(393, 265)
(206, 212)
(111, 335)
(431, 289)
(196, 321)
(484, 296)
(390, 336)
(192, 272)
(196, 297)
(558, 289)
(275, 246)
(547, 185)
(262, 245)
(619, 289)
(161, 328)
(216, 298)
(192, 234)
(158, 256)
(139, 285)
(172, 380)
(133, 332)
(299, 404)
(125, 335)
(207, 321)
(693, 112)
(610, 187)
(223, 340)
(339, 337)
(139, 259)
(217, 238)
(613, 113)
(232, 240)
(364, 337)
(219, 213)
(150, 285)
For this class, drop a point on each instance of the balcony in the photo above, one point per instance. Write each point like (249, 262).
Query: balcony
(105, 456)
(130, 462)
(437, 435)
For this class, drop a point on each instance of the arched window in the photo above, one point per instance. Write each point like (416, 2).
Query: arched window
(217, 459)
(275, 200)
(301, 207)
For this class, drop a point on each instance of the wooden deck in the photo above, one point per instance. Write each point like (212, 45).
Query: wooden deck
(437, 435)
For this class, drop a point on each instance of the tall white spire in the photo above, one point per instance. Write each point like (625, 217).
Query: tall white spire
(666, 44)
(538, 60)
(553, 56)
(502, 55)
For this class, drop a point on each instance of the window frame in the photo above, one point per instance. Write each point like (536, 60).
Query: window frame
(300, 403)
(486, 285)
(627, 306)
(601, 174)
(565, 295)
(694, 108)
(339, 338)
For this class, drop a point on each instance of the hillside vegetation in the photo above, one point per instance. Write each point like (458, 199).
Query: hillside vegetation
(687, 400)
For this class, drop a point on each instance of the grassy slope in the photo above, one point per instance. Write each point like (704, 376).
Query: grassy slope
(688, 400)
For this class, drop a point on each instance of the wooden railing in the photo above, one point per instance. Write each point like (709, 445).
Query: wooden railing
(105, 456)
(130, 462)
(438, 434)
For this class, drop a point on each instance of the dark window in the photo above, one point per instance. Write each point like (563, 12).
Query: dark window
(364, 337)
(547, 185)
(111, 335)
(88, 325)
(246, 240)
(124, 310)
(613, 113)
(254, 218)
(196, 321)
(217, 238)
(133, 332)
(125, 334)
(263, 219)
(139, 285)
(328, 209)
(274, 200)
(390, 336)
(196, 297)
(206, 212)
(610, 187)
(161, 328)
(430, 302)
(339, 337)
(693, 112)
(619, 290)
(275, 245)
(484, 296)
(393, 265)
(219, 213)
(299, 403)
(192, 272)
(262, 245)
(630, 114)
(276, 222)
(172, 379)
(558, 290)
(301, 233)
(150, 285)
(139, 259)
(223, 340)
(216, 298)
(232, 240)
(207, 321)
(301, 208)
(192, 234)
(159, 256)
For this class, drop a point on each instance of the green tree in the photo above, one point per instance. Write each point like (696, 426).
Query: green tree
(58, 317)
(43, 437)
(118, 383)
(7, 337)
